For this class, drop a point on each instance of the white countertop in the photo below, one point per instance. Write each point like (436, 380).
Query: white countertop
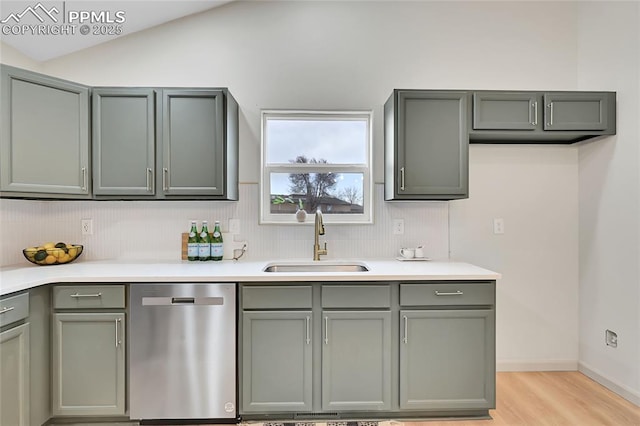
(22, 277)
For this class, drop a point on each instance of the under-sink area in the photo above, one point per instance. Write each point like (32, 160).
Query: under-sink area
(319, 266)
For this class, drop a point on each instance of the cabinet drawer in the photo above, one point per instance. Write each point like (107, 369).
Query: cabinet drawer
(450, 293)
(88, 296)
(14, 309)
(276, 297)
(356, 296)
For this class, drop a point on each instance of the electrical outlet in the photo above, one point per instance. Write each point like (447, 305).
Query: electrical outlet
(234, 226)
(498, 225)
(611, 338)
(398, 226)
(87, 226)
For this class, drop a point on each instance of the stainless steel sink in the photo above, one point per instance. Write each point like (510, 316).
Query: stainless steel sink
(316, 267)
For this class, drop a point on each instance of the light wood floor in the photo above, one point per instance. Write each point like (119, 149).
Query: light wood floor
(552, 399)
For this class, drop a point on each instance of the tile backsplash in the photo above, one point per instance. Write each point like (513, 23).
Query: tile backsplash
(143, 230)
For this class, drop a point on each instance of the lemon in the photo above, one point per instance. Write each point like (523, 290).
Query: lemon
(50, 259)
(49, 245)
(64, 258)
(73, 252)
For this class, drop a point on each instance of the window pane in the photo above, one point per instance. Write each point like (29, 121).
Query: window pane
(324, 140)
(334, 193)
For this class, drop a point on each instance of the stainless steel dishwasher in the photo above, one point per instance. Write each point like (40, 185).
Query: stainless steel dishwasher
(182, 351)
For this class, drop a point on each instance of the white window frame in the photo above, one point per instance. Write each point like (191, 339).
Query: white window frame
(365, 169)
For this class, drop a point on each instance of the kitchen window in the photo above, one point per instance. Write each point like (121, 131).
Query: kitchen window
(316, 160)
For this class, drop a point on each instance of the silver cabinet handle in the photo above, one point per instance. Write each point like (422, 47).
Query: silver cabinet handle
(149, 180)
(118, 341)
(165, 172)
(402, 178)
(326, 330)
(535, 113)
(5, 310)
(405, 339)
(83, 170)
(78, 295)
(550, 123)
(454, 293)
(308, 332)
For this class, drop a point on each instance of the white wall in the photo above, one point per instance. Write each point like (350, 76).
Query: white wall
(351, 55)
(609, 179)
(9, 55)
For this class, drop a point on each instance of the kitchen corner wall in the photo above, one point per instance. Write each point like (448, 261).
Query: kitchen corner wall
(609, 182)
(152, 229)
(351, 55)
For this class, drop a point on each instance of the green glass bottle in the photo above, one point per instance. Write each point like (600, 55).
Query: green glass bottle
(204, 246)
(217, 249)
(193, 242)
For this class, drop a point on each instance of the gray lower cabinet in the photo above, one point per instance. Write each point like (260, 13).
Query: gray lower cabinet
(123, 141)
(276, 359)
(14, 376)
(426, 145)
(25, 358)
(447, 359)
(44, 141)
(387, 349)
(88, 341)
(88, 364)
(541, 117)
(356, 361)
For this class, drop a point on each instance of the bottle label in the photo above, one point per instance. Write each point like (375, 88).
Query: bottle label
(216, 234)
(192, 249)
(203, 235)
(217, 250)
(192, 234)
(204, 250)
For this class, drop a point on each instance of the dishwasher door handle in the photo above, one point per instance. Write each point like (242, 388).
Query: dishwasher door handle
(182, 301)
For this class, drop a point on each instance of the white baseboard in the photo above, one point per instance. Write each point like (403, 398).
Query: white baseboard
(537, 365)
(624, 391)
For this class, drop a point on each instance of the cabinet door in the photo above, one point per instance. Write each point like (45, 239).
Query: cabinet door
(505, 110)
(193, 142)
(88, 364)
(276, 361)
(431, 146)
(447, 359)
(44, 141)
(576, 111)
(123, 130)
(14, 376)
(356, 361)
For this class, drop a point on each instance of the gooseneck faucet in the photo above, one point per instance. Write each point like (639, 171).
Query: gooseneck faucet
(319, 230)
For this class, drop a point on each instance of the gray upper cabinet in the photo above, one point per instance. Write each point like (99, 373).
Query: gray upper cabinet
(193, 160)
(541, 117)
(44, 141)
(426, 145)
(123, 130)
(165, 143)
(577, 111)
(505, 111)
